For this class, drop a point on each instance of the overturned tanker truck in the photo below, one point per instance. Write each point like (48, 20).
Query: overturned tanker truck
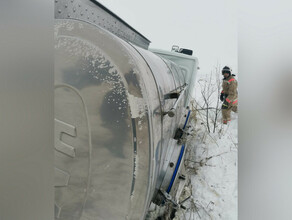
(121, 112)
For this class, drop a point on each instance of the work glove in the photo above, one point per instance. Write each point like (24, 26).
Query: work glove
(222, 97)
(225, 105)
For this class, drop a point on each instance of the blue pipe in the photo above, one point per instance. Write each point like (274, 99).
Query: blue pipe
(187, 119)
(176, 168)
(179, 158)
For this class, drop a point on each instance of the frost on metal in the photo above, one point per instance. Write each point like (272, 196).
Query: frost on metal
(137, 106)
(98, 60)
(135, 174)
(83, 48)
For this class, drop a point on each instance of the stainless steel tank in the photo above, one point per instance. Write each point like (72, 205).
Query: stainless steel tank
(113, 135)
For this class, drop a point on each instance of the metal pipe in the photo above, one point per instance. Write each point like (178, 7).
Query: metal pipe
(171, 112)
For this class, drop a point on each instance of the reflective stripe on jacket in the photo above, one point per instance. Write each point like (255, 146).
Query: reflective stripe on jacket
(229, 86)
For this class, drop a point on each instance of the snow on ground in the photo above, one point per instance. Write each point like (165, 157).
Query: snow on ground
(212, 165)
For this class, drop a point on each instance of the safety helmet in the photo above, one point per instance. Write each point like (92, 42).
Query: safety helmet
(226, 69)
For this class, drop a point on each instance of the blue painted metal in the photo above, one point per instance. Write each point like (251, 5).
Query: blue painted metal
(176, 168)
(187, 119)
(179, 158)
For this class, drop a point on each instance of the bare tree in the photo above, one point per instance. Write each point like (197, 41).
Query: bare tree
(209, 107)
(206, 94)
(218, 84)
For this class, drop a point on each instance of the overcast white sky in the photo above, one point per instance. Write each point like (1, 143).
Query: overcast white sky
(208, 27)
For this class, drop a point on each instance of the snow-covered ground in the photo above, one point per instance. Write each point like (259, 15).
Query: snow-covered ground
(211, 163)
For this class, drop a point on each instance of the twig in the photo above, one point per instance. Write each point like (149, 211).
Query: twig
(202, 162)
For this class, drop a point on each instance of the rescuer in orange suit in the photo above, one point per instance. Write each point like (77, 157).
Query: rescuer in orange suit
(228, 95)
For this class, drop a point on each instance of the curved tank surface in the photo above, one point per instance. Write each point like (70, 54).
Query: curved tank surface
(118, 109)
